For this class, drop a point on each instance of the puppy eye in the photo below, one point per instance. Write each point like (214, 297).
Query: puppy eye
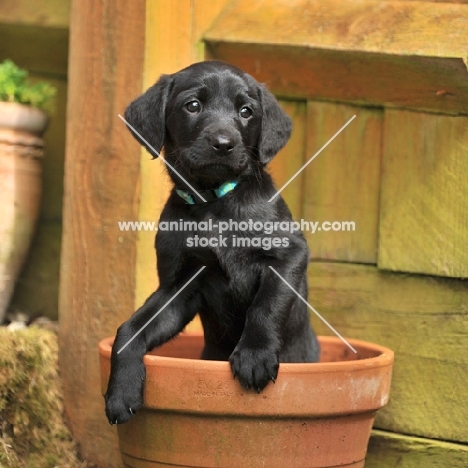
(193, 106)
(246, 112)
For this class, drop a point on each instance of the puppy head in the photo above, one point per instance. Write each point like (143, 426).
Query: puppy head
(215, 122)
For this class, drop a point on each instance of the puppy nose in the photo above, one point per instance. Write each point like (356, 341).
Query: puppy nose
(222, 144)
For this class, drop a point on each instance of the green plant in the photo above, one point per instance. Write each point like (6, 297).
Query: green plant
(16, 87)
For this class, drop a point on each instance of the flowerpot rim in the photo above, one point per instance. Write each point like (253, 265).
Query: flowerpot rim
(22, 117)
(382, 357)
(316, 389)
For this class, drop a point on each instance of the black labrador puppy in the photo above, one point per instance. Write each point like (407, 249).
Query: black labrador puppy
(230, 255)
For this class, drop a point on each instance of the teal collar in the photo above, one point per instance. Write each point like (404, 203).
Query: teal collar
(193, 198)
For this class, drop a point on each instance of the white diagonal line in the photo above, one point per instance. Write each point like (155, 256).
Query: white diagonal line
(159, 154)
(161, 309)
(315, 312)
(312, 158)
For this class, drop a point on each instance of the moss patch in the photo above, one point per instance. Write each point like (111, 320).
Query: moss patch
(32, 431)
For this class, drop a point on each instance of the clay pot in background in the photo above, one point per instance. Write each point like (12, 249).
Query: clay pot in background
(21, 153)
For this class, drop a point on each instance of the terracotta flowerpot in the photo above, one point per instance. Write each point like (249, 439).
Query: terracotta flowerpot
(196, 415)
(21, 152)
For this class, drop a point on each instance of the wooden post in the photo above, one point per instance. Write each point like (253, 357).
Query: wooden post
(97, 283)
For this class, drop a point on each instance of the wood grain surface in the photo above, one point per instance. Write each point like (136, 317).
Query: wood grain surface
(390, 450)
(291, 158)
(173, 41)
(424, 320)
(342, 184)
(97, 283)
(424, 204)
(398, 54)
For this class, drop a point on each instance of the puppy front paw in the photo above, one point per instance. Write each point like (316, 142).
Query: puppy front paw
(254, 367)
(124, 396)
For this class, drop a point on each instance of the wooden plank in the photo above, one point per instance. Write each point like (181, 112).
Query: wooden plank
(39, 50)
(368, 25)
(424, 204)
(204, 12)
(97, 281)
(34, 34)
(394, 53)
(434, 1)
(163, 41)
(168, 38)
(48, 14)
(342, 183)
(388, 450)
(291, 158)
(424, 320)
(168, 48)
(173, 32)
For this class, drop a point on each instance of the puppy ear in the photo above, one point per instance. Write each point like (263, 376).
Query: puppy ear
(276, 126)
(146, 116)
